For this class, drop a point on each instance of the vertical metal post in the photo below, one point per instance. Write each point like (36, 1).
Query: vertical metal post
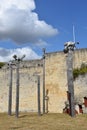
(46, 98)
(17, 89)
(43, 80)
(70, 82)
(10, 90)
(38, 94)
(17, 62)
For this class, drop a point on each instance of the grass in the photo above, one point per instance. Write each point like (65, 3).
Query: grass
(31, 121)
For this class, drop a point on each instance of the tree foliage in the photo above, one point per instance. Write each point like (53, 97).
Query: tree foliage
(80, 71)
(2, 64)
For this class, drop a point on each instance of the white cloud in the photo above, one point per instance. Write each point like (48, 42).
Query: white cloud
(19, 22)
(7, 54)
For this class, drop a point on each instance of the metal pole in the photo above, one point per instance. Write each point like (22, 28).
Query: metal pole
(10, 90)
(46, 98)
(43, 80)
(38, 94)
(70, 82)
(17, 89)
(17, 62)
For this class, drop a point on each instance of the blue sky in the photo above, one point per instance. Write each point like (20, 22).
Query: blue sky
(27, 26)
(63, 14)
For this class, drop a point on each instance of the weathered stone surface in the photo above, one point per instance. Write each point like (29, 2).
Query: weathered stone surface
(55, 82)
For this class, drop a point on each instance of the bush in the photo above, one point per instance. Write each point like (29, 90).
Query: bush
(2, 64)
(75, 73)
(80, 71)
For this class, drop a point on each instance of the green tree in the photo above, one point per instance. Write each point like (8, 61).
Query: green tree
(80, 71)
(2, 64)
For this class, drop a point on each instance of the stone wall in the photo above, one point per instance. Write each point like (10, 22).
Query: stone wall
(28, 89)
(56, 78)
(55, 82)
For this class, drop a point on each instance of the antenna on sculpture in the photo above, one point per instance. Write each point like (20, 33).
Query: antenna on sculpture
(73, 34)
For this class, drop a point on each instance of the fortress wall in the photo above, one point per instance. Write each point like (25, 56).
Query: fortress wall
(28, 89)
(55, 82)
(56, 78)
(80, 56)
(80, 88)
(3, 90)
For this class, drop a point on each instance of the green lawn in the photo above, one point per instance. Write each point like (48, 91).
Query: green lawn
(31, 121)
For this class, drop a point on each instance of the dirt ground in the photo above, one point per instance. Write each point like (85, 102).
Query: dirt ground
(31, 121)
